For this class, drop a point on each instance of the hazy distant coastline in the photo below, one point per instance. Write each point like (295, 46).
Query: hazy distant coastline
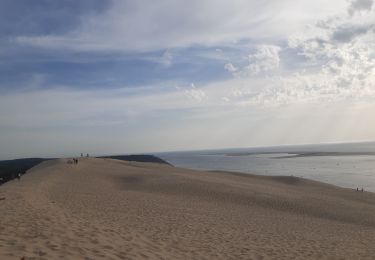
(347, 165)
(304, 154)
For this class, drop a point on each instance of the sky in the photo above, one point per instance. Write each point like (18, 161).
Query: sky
(119, 76)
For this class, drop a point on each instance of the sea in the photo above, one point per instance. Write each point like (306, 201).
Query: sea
(349, 165)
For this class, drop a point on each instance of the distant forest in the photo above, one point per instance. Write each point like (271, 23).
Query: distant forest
(11, 168)
(137, 158)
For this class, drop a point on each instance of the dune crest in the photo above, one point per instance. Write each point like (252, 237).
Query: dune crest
(105, 208)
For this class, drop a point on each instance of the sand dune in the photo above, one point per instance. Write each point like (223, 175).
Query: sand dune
(109, 209)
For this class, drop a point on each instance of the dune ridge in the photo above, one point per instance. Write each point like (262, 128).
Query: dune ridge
(9, 169)
(111, 209)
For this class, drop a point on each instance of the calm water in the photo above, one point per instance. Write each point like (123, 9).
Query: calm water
(347, 170)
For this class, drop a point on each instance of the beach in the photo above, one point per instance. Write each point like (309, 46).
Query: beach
(112, 209)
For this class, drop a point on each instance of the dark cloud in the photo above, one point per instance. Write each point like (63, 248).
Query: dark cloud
(348, 33)
(43, 17)
(360, 5)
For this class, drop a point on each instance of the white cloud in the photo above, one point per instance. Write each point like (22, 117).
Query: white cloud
(145, 25)
(331, 61)
(134, 120)
(195, 93)
(265, 59)
(300, 60)
(230, 67)
(331, 55)
(167, 58)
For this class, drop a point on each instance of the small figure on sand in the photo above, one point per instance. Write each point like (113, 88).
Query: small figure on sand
(73, 161)
(88, 156)
(19, 176)
(81, 154)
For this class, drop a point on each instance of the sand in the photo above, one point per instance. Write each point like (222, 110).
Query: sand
(109, 209)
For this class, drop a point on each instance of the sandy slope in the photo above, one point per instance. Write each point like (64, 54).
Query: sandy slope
(109, 209)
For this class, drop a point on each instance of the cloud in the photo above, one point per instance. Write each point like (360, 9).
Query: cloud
(65, 106)
(332, 60)
(127, 67)
(131, 26)
(360, 5)
(266, 58)
(347, 33)
(44, 17)
(195, 93)
(167, 58)
(230, 67)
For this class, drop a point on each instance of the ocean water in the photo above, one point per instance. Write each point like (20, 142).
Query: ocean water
(348, 165)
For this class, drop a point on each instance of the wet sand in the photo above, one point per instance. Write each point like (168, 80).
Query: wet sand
(109, 209)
